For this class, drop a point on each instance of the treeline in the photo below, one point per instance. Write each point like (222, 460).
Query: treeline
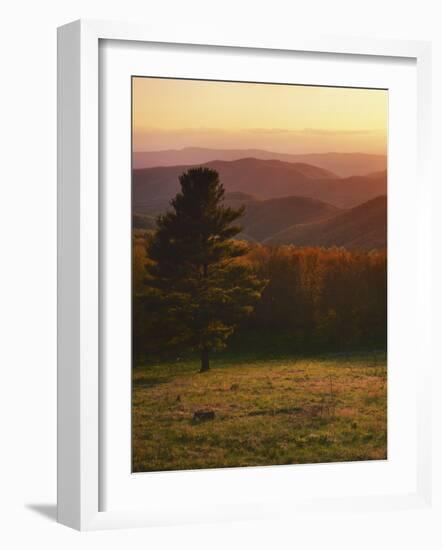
(315, 299)
(328, 299)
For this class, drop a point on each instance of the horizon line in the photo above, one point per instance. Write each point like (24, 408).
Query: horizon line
(259, 149)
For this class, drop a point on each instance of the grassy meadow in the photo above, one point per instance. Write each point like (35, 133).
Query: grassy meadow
(267, 411)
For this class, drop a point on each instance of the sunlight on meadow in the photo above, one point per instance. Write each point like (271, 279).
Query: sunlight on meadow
(280, 411)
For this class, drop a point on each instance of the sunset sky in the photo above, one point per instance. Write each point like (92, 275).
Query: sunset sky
(174, 114)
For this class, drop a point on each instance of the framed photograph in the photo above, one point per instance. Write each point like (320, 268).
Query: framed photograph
(239, 225)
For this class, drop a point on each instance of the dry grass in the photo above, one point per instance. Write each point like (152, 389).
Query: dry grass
(280, 411)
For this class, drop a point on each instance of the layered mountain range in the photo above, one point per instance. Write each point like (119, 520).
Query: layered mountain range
(342, 164)
(285, 202)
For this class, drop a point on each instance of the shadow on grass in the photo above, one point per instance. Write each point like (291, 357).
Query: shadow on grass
(149, 381)
(154, 373)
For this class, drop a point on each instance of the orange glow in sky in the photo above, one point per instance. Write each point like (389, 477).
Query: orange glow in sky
(174, 114)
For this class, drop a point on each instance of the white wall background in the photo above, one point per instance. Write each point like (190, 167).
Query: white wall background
(28, 268)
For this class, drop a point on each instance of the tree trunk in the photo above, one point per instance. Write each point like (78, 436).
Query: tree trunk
(204, 360)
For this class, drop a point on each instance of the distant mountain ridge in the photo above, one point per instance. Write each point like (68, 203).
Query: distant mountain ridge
(263, 218)
(153, 188)
(342, 164)
(364, 226)
(304, 221)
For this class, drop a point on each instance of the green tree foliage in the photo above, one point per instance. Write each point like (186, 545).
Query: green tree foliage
(196, 289)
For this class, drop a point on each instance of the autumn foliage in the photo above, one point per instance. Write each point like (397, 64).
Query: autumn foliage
(315, 299)
(330, 299)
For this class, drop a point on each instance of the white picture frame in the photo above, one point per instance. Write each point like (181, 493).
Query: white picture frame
(79, 275)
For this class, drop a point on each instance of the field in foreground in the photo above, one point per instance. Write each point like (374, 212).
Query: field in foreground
(272, 411)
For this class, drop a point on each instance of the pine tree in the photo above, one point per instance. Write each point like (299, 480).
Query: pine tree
(199, 285)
